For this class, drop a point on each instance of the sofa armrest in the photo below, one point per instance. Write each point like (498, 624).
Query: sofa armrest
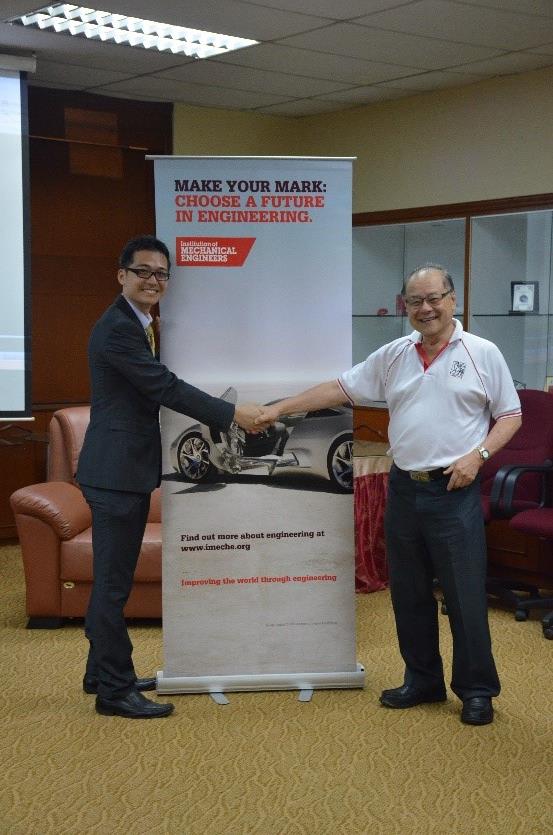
(60, 505)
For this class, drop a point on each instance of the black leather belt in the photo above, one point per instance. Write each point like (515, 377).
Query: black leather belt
(422, 475)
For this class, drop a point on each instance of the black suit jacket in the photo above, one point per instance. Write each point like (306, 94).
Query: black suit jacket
(122, 445)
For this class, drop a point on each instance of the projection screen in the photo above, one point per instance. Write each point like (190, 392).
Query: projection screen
(14, 239)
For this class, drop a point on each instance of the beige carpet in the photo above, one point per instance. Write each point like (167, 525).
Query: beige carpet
(267, 764)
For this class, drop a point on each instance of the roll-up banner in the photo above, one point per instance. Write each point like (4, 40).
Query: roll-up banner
(258, 551)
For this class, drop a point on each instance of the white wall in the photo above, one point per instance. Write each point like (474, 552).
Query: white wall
(487, 140)
(206, 130)
(483, 141)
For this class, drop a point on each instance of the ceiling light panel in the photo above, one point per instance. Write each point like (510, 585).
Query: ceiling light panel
(67, 19)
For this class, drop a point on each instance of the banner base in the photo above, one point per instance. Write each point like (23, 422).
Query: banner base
(269, 681)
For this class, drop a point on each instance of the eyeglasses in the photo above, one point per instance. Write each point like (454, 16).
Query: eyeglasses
(144, 273)
(433, 299)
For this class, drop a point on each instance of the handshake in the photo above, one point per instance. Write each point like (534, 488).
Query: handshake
(255, 418)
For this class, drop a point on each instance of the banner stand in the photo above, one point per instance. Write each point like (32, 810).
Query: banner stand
(258, 539)
(270, 681)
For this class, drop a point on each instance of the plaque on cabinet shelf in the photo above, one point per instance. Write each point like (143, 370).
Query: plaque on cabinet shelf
(524, 297)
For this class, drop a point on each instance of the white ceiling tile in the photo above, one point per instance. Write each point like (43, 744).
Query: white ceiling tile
(537, 7)
(544, 49)
(116, 94)
(432, 81)
(332, 9)
(249, 78)
(514, 62)
(467, 24)
(59, 85)
(205, 95)
(314, 64)
(395, 47)
(301, 107)
(16, 37)
(53, 73)
(366, 95)
(15, 8)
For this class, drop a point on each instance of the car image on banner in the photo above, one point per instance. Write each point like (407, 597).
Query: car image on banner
(318, 442)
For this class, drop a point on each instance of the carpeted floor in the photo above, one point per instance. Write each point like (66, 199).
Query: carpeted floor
(267, 764)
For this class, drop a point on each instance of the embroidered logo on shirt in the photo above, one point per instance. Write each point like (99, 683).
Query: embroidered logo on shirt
(457, 368)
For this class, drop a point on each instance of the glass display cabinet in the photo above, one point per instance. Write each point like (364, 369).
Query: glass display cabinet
(501, 262)
(510, 285)
(382, 255)
(500, 256)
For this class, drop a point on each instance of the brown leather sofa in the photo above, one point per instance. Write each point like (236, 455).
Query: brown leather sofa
(53, 523)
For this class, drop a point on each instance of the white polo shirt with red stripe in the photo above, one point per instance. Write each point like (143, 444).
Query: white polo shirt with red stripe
(441, 412)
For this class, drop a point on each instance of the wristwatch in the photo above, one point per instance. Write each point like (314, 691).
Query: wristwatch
(483, 453)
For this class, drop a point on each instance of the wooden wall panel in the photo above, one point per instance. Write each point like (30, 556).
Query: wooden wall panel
(91, 190)
(60, 337)
(83, 209)
(139, 124)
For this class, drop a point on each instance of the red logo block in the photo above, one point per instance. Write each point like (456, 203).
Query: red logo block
(213, 252)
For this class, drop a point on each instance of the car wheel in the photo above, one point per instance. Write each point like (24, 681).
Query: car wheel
(193, 458)
(340, 463)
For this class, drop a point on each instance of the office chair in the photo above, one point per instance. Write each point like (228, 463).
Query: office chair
(537, 522)
(512, 482)
(505, 491)
(515, 482)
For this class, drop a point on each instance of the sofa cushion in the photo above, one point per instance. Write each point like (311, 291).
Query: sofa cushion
(76, 557)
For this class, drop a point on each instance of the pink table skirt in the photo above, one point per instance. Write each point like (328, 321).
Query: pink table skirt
(370, 484)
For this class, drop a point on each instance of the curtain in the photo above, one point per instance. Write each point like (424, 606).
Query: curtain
(371, 569)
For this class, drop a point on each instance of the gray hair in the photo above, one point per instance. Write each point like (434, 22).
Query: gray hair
(448, 281)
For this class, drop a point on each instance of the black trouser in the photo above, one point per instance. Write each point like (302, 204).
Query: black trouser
(118, 524)
(434, 533)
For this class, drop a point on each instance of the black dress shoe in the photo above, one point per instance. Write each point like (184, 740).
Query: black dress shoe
(409, 696)
(477, 711)
(133, 706)
(90, 685)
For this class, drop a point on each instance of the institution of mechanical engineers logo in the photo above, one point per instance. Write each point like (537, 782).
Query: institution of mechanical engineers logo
(212, 252)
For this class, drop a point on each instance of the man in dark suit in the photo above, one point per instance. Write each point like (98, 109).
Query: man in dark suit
(120, 465)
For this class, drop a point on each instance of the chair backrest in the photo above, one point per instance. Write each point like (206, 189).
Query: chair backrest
(532, 444)
(66, 435)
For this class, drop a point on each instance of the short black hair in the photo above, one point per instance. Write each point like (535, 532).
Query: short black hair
(448, 281)
(148, 242)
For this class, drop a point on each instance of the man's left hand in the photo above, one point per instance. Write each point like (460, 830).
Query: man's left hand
(464, 471)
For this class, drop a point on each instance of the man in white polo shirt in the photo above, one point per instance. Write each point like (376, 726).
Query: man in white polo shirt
(442, 386)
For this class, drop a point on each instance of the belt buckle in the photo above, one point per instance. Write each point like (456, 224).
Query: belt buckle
(420, 475)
